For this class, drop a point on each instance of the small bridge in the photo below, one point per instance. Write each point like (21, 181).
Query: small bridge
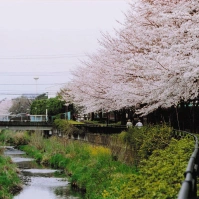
(29, 122)
(18, 125)
(22, 117)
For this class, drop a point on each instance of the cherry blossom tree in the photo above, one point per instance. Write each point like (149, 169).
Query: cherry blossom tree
(175, 48)
(152, 60)
(5, 104)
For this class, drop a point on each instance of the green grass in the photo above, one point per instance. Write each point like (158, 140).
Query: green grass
(9, 180)
(157, 173)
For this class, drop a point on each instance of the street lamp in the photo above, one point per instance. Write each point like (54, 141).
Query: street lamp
(36, 78)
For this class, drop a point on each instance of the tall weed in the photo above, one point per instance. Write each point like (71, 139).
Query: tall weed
(9, 180)
(14, 138)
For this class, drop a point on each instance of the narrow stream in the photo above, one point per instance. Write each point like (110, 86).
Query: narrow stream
(39, 182)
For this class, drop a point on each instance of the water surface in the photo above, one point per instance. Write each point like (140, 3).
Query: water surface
(39, 182)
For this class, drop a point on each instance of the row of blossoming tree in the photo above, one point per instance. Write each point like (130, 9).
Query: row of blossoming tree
(153, 60)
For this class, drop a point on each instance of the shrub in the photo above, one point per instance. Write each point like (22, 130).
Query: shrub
(66, 127)
(14, 138)
(160, 175)
(145, 140)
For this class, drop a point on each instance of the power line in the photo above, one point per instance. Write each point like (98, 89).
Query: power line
(24, 93)
(61, 73)
(21, 91)
(45, 56)
(55, 84)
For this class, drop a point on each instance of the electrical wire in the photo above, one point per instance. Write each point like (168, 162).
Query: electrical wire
(45, 56)
(61, 73)
(54, 84)
(24, 93)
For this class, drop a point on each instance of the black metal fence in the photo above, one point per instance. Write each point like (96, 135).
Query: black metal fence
(110, 129)
(189, 185)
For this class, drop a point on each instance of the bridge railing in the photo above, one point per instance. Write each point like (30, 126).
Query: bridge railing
(38, 118)
(20, 123)
(189, 185)
(33, 118)
(5, 117)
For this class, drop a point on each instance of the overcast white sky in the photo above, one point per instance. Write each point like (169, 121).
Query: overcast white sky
(46, 39)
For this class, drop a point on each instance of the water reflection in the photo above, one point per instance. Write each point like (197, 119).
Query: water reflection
(39, 182)
(46, 188)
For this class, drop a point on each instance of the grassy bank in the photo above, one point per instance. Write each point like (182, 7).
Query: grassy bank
(90, 168)
(10, 183)
(158, 173)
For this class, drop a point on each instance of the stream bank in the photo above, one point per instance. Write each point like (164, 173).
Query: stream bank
(38, 181)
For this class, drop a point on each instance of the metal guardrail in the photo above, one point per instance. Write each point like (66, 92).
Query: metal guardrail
(189, 185)
(101, 129)
(101, 125)
(28, 123)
